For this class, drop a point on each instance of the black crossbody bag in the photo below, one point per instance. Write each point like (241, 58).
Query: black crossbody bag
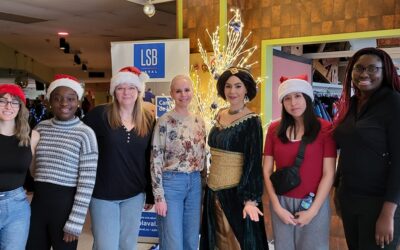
(287, 178)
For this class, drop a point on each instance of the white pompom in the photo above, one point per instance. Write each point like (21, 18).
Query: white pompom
(144, 77)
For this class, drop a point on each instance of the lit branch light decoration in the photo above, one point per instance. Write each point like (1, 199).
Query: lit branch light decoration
(207, 103)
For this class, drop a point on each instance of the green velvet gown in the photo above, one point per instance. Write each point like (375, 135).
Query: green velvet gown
(244, 136)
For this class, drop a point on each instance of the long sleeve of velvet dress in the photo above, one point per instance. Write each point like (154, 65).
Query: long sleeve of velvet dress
(242, 136)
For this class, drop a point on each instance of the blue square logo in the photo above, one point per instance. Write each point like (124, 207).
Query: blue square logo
(150, 58)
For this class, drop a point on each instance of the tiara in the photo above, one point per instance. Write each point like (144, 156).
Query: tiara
(234, 70)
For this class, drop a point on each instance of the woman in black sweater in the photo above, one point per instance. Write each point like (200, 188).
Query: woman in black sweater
(123, 186)
(367, 132)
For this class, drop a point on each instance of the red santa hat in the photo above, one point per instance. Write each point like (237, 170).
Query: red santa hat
(294, 84)
(65, 81)
(129, 75)
(14, 90)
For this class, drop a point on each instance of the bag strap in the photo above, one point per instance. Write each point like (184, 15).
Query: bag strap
(300, 154)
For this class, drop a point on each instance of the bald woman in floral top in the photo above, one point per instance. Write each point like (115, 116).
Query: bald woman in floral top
(178, 157)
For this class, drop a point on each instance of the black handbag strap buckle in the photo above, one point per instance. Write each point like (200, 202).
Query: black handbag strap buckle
(300, 154)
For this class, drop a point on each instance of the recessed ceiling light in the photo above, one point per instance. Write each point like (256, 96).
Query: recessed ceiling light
(63, 33)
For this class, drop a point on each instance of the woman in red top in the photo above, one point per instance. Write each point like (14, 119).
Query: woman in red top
(293, 228)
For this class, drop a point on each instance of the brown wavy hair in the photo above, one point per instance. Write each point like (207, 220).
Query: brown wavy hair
(22, 129)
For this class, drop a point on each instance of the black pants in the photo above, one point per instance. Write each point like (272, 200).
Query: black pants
(359, 216)
(50, 208)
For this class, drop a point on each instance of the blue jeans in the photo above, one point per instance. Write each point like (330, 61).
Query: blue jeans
(15, 214)
(180, 229)
(116, 223)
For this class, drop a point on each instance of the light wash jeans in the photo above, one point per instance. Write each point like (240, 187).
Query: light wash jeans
(116, 223)
(15, 216)
(180, 229)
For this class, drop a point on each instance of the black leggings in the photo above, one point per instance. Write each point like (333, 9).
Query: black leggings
(50, 208)
(359, 216)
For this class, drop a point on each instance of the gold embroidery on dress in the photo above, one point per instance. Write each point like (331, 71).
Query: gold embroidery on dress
(236, 122)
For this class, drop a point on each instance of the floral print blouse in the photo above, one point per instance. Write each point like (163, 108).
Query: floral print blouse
(178, 145)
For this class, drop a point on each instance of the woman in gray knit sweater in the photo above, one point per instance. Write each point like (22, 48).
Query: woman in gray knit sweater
(64, 172)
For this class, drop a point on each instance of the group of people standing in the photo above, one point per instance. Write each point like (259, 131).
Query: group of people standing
(101, 163)
(119, 160)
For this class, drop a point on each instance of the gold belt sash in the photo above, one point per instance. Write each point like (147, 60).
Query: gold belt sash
(226, 169)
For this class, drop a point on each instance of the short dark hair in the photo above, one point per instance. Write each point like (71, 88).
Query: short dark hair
(244, 75)
(311, 124)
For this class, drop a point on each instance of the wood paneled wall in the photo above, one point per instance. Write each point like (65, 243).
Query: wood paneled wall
(292, 18)
(199, 15)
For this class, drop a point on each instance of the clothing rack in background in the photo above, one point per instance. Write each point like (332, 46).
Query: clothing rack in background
(327, 89)
(325, 97)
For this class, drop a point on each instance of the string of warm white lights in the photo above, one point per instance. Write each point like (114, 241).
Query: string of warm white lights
(207, 103)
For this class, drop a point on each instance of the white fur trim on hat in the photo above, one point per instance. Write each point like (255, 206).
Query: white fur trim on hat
(295, 85)
(66, 82)
(129, 78)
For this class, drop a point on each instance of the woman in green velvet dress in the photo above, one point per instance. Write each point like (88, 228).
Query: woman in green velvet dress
(232, 218)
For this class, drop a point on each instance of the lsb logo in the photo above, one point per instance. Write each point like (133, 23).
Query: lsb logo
(150, 58)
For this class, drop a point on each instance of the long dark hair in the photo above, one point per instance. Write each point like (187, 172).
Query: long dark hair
(311, 123)
(390, 79)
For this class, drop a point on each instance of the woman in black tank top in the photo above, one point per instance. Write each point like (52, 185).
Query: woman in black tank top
(17, 146)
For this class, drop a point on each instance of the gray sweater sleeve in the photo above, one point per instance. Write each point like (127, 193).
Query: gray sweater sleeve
(86, 180)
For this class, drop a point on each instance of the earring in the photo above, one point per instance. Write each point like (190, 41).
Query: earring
(246, 99)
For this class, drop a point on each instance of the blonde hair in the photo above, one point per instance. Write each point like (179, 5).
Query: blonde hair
(180, 77)
(22, 129)
(142, 119)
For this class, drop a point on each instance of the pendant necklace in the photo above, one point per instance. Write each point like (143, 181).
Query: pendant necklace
(234, 112)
